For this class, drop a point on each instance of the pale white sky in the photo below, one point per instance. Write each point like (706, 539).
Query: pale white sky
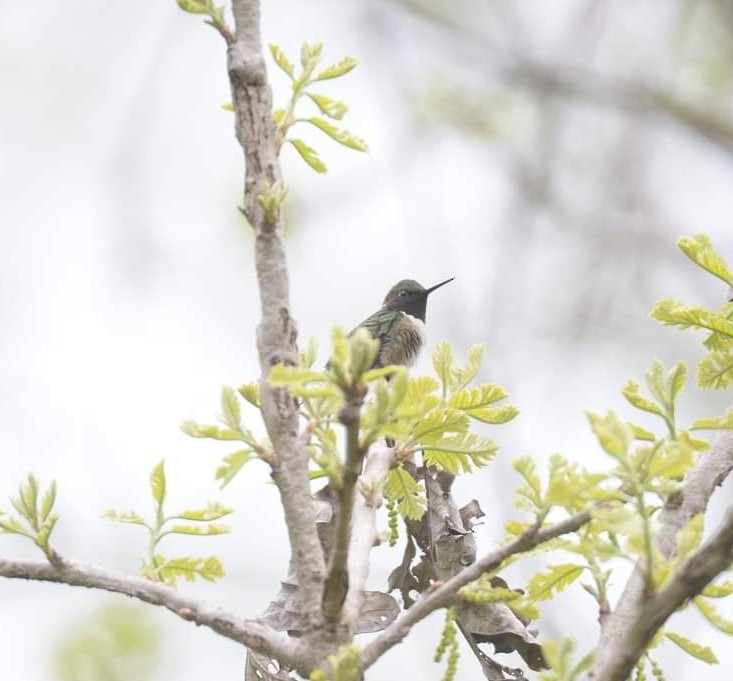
(127, 293)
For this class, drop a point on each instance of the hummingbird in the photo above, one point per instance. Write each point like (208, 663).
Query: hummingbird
(399, 325)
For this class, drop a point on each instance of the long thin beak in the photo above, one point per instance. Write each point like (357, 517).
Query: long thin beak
(442, 283)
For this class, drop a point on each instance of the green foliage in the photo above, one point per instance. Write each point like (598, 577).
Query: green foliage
(703, 653)
(345, 665)
(115, 643)
(409, 494)
(562, 666)
(35, 520)
(545, 586)
(439, 425)
(715, 370)
(234, 430)
(449, 642)
(302, 82)
(215, 13)
(713, 616)
(570, 487)
(271, 198)
(482, 591)
(200, 521)
(664, 388)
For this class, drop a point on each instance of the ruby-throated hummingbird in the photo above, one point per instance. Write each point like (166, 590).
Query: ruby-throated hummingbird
(399, 325)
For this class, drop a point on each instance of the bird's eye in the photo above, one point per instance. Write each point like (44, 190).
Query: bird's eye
(403, 292)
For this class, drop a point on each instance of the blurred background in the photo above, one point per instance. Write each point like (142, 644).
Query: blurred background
(547, 155)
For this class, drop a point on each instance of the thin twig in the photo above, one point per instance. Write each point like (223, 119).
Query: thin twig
(251, 633)
(337, 581)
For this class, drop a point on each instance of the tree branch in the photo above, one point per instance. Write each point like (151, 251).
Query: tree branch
(445, 592)
(251, 633)
(623, 94)
(710, 471)
(364, 528)
(277, 332)
(337, 581)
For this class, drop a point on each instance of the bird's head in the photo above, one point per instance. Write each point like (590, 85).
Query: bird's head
(411, 297)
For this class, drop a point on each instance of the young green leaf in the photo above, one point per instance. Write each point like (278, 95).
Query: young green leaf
(157, 484)
(329, 107)
(546, 585)
(27, 500)
(475, 398)
(215, 432)
(642, 434)
(614, 435)
(458, 452)
(309, 155)
(343, 67)
(714, 422)
(49, 499)
(281, 60)
(530, 494)
(437, 423)
(196, 6)
(251, 393)
(467, 373)
(701, 652)
(310, 54)
(632, 394)
(409, 494)
(699, 249)
(718, 590)
(339, 135)
(676, 379)
(715, 371)
(231, 465)
(689, 537)
(309, 354)
(713, 616)
(231, 410)
(171, 570)
(127, 517)
(202, 530)
(672, 312)
(444, 364)
(14, 526)
(213, 511)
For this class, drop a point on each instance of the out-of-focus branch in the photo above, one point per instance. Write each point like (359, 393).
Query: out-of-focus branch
(253, 634)
(277, 331)
(624, 94)
(633, 608)
(444, 594)
(566, 81)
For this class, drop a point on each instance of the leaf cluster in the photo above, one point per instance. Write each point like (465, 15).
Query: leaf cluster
(35, 519)
(233, 430)
(303, 78)
(215, 13)
(715, 370)
(201, 522)
(344, 665)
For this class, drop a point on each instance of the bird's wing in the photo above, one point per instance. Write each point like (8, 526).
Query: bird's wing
(380, 323)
